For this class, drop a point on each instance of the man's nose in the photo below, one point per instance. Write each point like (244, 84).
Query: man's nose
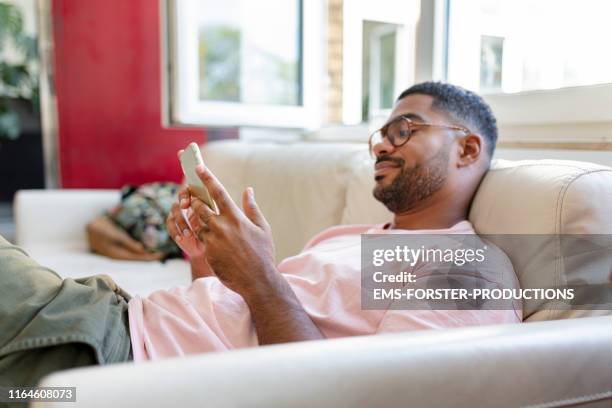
(382, 146)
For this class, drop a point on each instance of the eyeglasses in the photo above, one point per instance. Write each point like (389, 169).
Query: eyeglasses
(400, 129)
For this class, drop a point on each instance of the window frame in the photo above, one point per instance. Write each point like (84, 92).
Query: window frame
(404, 14)
(183, 106)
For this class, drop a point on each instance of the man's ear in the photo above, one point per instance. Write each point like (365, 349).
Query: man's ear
(471, 147)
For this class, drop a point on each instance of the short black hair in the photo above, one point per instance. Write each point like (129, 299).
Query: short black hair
(462, 105)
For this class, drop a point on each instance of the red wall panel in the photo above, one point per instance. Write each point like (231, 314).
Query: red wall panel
(108, 84)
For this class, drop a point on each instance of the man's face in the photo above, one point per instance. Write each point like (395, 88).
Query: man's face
(408, 175)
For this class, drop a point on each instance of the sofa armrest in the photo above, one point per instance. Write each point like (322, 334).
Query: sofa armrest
(58, 217)
(506, 365)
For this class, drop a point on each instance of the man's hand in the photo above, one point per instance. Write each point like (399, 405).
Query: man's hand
(105, 238)
(185, 238)
(178, 228)
(239, 245)
(240, 250)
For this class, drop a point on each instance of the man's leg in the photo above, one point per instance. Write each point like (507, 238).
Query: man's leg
(26, 368)
(49, 324)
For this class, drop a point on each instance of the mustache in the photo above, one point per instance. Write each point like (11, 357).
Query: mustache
(395, 160)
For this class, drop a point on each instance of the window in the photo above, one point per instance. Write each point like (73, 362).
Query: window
(378, 56)
(525, 45)
(246, 63)
(379, 68)
(543, 65)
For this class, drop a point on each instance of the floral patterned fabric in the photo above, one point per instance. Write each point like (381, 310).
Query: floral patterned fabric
(142, 213)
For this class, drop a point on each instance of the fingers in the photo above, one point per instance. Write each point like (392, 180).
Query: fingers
(171, 227)
(179, 219)
(193, 220)
(203, 212)
(184, 197)
(178, 154)
(251, 209)
(216, 189)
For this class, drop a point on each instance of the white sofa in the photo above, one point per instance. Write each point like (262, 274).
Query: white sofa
(303, 188)
(49, 224)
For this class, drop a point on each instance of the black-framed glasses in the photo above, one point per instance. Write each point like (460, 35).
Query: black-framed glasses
(400, 129)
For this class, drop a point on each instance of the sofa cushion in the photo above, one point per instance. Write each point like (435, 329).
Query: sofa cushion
(135, 277)
(59, 217)
(300, 187)
(361, 206)
(552, 200)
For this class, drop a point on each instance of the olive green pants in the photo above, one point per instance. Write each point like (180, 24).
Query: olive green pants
(49, 324)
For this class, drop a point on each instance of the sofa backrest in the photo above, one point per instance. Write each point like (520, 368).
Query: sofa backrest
(51, 219)
(303, 188)
(564, 207)
(300, 188)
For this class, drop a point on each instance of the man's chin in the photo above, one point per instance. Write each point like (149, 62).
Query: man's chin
(379, 196)
(379, 191)
(383, 180)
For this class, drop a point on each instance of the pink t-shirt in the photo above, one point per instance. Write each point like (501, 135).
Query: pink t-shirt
(326, 277)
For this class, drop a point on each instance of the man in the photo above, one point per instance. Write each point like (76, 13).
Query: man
(430, 158)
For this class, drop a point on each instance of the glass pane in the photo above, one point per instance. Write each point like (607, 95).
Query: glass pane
(521, 45)
(387, 70)
(250, 51)
(379, 68)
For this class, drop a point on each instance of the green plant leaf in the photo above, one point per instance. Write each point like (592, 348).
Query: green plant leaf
(11, 21)
(16, 79)
(13, 75)
(9, 125)
(35, 97)
(28, 45)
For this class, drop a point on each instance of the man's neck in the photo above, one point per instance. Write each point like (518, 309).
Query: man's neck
(438, 214)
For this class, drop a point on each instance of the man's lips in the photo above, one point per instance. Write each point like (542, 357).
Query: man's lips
(384, 167)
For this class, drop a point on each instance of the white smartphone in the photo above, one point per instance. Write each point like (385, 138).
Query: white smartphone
(190, 158)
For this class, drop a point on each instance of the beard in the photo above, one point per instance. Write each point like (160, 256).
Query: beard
(412, 186)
